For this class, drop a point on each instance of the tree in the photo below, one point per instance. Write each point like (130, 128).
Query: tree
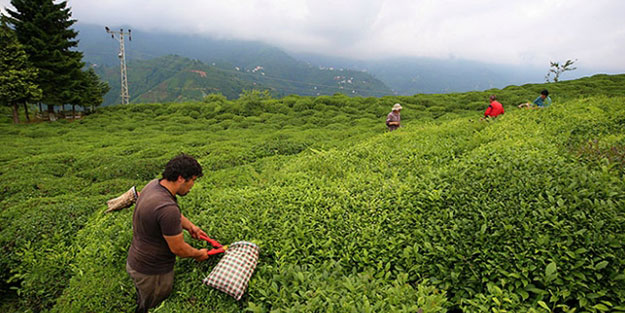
(88, 90)
(215, 97)
(252, 101)
(97, 89)
(43, 27)
(17, 77)
(556, 69)
(78, 90)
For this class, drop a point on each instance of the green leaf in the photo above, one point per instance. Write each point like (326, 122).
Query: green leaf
(601, 307)
(601, 265)
(551, 269)
(496, 301)
(544, 305)
(537, 291)
(524, 294)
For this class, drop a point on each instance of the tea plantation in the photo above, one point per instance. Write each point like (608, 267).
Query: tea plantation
(525, 213)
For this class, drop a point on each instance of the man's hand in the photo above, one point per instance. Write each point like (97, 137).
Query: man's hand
(193, 230)
(196, 232)
(182, 249)
(203, 256)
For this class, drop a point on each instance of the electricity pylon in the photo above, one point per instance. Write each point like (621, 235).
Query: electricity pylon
(122, 60)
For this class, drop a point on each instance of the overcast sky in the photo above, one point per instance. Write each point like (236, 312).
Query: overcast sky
(528, 32)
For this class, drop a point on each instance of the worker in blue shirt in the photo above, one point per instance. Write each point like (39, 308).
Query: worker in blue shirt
(542, 101)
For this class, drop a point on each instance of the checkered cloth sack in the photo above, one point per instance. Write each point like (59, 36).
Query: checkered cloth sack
(235, 268)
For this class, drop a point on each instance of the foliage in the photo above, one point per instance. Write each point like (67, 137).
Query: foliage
(518, 214)
(88, 91)
(252, 101)
(556, 69)
(230, 66)
(16, 75)
(43, 27)
(214, 97)
(174, 78)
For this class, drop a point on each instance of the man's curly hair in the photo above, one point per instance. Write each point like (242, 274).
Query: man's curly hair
(182, 165)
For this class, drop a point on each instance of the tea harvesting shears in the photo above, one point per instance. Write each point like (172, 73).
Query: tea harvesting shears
(219, 248)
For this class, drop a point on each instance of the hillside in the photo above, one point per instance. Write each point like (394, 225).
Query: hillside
(408, 76)
(522, 214)
(230, 67)
(99, 48)
(175, 79)
(172, 79)
(403, 76)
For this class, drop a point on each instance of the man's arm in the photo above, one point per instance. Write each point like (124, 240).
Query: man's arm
(180, 248)
(390, 122)
(193, 230)
(186, 224)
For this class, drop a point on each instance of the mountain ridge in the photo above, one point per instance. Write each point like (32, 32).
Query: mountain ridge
(175, 78)
(299, 73)
(231, 66)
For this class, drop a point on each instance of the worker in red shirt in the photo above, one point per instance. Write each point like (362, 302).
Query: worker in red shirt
(494, 108)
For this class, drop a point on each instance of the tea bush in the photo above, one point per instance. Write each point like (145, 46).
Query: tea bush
(498, 217)
(524, 213)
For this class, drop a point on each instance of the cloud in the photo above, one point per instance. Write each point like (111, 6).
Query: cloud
(530, 32)
(3, 5)
(514, 32)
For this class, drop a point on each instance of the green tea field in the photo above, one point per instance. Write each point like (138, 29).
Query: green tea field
(525, 213)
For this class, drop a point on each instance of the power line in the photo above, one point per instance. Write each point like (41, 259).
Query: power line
(122, 61)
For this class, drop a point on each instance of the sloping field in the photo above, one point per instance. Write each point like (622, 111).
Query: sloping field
(522, 214)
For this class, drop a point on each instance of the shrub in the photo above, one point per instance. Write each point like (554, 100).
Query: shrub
(520, 214)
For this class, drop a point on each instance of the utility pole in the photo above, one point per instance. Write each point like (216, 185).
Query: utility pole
(122, 60)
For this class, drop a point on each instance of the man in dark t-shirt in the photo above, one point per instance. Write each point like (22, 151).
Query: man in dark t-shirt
(157, 238)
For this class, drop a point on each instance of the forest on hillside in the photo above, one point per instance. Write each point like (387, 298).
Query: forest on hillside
(174, 78)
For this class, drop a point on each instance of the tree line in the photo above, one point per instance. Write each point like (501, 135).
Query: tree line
(39, 62)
